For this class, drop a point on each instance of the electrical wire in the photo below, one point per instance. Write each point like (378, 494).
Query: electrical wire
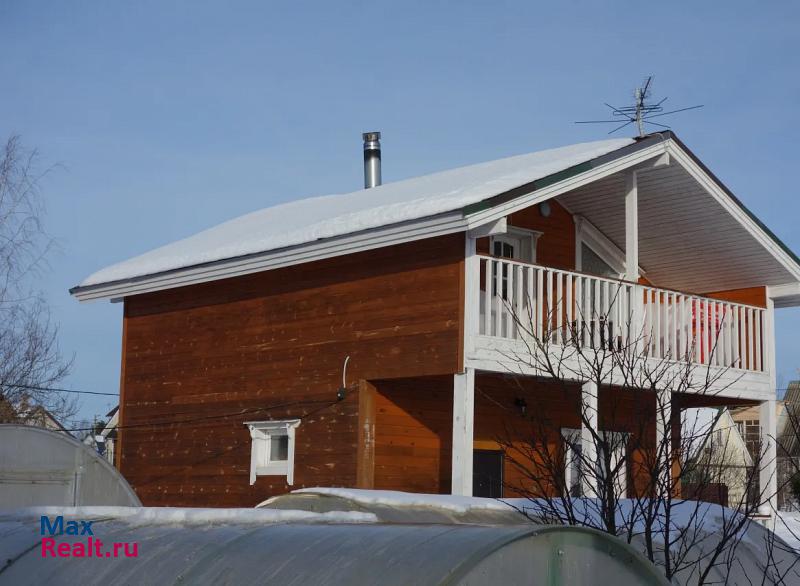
(324, 404)
(57, 390)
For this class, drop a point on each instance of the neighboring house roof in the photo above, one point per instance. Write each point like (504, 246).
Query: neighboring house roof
(788, 430)
(699, 425)
(696, 424)
(421, 207)
(111, 427)
(24, 413)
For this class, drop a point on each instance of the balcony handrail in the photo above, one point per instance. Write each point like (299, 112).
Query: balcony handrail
(618, 281)
(602, 312)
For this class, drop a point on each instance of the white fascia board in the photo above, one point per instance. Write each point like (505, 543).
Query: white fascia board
(787, 295)
(534, 197)
(735, 210)
(366, 240)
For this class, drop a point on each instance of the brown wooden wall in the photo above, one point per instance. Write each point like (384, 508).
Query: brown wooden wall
(201, 360)
(413, 434)
(413, 427)
(751, 296)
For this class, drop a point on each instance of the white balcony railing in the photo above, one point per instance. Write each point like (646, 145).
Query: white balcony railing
(518, 299)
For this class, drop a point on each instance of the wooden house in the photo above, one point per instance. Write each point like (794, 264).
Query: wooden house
(368, 339)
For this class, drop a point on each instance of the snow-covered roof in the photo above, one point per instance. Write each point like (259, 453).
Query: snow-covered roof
(149, 516)
(329, 216)
(396, 498)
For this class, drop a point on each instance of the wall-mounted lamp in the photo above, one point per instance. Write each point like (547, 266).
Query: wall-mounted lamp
(521, 404)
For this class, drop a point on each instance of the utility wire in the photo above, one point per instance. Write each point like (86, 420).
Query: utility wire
(323, 404)
(57, 390)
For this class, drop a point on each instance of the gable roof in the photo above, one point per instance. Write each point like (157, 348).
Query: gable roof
(421, 207)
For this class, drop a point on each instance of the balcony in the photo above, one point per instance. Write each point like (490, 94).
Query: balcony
(516, 308)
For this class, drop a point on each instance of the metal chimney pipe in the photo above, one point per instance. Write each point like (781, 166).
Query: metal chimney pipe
(372, 159)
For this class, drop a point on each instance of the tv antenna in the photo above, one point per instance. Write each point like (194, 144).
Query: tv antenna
(641, 113)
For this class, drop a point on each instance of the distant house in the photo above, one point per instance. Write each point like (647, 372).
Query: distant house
(718, 455)
(103, 440)
(27, 414)
(363, 339)
(748, 421)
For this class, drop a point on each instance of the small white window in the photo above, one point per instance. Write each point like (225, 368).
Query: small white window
(272, 451)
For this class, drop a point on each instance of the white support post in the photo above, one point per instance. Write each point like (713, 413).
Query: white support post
(463, 425)
(631, 227)
(768, 417)
(768, 477)
(589, 424)
(636, 312)
(472, 298)
(664, 440)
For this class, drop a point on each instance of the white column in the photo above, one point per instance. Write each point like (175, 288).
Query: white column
(768, 481)
(589, 424)
(768, 417)
(664, 439)
(632, 260)
(631, 227)
(463, 425)
(472, 299)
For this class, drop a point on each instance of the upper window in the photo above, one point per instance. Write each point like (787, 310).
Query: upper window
(272, 449)
(515, 244)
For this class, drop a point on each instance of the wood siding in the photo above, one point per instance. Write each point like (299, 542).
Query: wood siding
(199, 361)
(413, 429)
(751, 296)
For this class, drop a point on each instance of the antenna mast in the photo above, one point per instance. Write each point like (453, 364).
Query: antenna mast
(640, 113)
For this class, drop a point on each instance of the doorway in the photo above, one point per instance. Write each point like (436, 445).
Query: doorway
(487, 473)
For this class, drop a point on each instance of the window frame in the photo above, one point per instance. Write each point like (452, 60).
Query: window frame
(571, 438)
(524, 237)
(261, 434)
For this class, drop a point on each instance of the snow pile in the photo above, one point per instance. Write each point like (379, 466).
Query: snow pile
(139, 516)
(787, 527)
(307, 220)
(395, 498)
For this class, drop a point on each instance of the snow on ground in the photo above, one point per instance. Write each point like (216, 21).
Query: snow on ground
(395, 498)
(787, 527)
(139, 516)
(307, 220)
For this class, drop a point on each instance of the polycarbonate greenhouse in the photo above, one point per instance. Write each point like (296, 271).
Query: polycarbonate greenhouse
(317, 551)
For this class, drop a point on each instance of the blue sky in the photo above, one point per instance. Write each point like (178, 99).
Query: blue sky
(168, 117)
